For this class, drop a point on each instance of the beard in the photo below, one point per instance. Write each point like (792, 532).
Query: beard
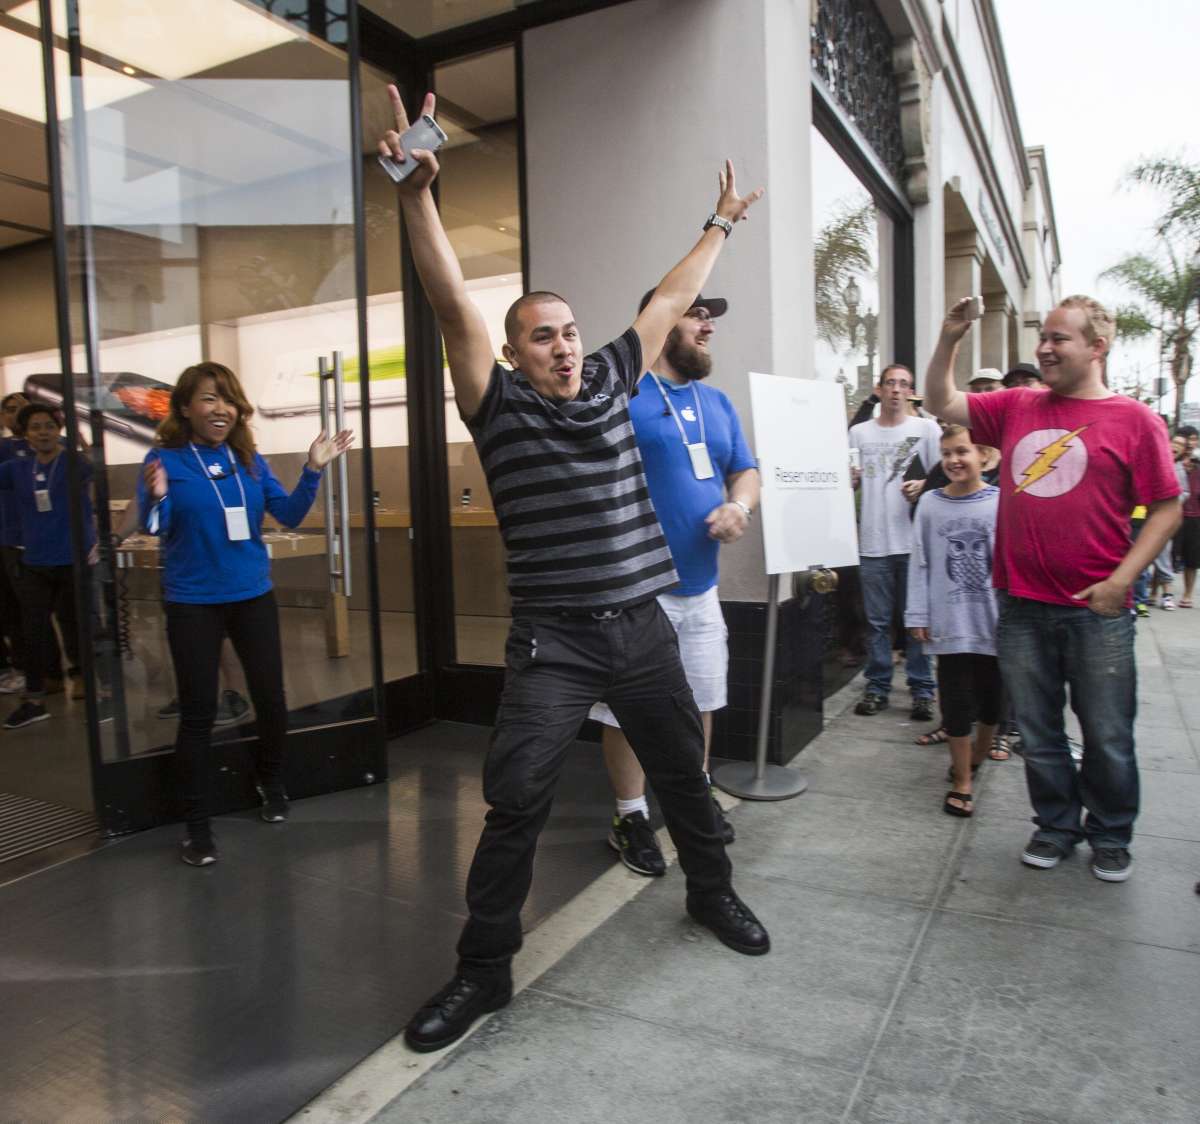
(689, 360)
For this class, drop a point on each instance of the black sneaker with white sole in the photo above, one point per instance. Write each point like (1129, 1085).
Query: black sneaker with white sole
(26, 714)
(274, 802)
(633, 839)
(1042, 854)
(1112, 864)
(199, 851)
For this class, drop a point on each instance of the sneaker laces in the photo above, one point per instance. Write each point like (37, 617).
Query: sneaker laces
(637, 829)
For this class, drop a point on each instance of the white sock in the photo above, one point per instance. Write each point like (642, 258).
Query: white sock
(638, 804)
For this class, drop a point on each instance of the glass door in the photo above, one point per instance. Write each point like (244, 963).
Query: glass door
(212, 182)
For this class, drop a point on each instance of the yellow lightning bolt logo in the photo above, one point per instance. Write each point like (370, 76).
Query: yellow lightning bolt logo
(1046, 457)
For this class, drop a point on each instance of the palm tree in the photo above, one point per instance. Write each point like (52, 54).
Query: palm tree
(1180, 182)
(844, 246)
(1167, 291)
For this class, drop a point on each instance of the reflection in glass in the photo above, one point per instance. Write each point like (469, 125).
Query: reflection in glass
(423, 17)
(851, 276)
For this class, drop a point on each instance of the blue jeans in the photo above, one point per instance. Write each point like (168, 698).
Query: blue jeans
(1044, 649)
(885, 589)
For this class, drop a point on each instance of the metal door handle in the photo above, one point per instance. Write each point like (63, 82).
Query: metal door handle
(337, 522)
(343, 467)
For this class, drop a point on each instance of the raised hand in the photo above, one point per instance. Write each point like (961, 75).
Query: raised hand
(958, 322)
(326, 448)
(389, 145)
(155, 477)
(730, 205)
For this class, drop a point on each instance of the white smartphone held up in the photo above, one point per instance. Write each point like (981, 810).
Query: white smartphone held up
(856, 459)
(975, 309)
(426, 133)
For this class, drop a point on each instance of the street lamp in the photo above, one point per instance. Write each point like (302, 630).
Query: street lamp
(852, 296)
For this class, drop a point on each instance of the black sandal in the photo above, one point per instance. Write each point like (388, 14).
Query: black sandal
(934, 737)
(953, 809)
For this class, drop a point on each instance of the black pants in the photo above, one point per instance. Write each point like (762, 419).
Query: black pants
(970, 690)
(48, 591)
(195, 634)
(556, 668)
(12, 623)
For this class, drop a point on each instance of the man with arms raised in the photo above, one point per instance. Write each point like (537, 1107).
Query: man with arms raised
(1076, 461)
(585, 559)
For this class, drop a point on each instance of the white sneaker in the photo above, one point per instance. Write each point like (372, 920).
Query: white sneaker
(1168, 602)
(11, 682)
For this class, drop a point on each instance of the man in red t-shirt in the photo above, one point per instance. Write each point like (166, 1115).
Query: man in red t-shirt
(1077, 459)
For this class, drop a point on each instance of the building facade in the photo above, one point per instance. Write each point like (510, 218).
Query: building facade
(206, 188)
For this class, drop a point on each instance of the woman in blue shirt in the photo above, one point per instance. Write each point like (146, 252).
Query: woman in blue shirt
(204, 491)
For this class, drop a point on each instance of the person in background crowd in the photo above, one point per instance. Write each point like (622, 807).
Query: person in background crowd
(12, 630)
(204, 491)
(39, 484)
(987, 380)
(887, 446)
(1077, 459)
(952, 608)
(1191, 437)
(1023, 374)
(1163, 569)
(586, 559)
(1187, 543)
(699, 506)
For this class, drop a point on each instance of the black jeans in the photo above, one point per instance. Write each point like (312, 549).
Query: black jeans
(195, 634)
(556, 668)
(47, 591)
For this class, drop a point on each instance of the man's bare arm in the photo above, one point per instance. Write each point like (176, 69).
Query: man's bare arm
(1162, 521)
(942, 398)
(468, 347)
(679, 288)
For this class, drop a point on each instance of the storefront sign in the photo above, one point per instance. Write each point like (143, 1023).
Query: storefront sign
(804, 456)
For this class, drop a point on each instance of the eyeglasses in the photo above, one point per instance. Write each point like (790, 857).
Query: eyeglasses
(699, 313)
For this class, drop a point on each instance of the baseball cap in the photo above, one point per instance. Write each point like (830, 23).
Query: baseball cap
(986, 374)
(1020, 371)
(717, 306)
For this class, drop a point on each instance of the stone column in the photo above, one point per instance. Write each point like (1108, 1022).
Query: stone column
(993, 334)
(964, 262)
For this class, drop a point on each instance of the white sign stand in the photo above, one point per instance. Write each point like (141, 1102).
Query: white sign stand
(808, 521)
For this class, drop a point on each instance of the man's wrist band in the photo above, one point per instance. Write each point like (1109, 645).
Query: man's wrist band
(744, 506)
(715, 220)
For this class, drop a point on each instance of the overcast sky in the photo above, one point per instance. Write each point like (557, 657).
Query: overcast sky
(1101, 83)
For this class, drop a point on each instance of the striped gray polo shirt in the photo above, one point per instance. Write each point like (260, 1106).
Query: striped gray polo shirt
(567, 484)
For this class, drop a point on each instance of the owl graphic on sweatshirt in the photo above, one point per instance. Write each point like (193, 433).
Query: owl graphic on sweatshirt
(968, 557)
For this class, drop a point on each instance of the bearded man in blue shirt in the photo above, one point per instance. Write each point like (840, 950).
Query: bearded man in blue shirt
(704, 484)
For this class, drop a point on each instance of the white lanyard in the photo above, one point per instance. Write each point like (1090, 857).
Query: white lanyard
(41, 496)
(671, 406)
(237, 524)
(697, 451)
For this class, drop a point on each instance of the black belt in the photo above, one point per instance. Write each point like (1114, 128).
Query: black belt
(577, 614)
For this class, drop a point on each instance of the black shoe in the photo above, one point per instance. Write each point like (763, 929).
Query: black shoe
(1043, 854)
(922, 710)
(274, 802)
(26, 714)
(198, 852)
(871, 703)
(1112, 864)
(448, 1015)
(730, 921)
(726, 828)
(632, 838)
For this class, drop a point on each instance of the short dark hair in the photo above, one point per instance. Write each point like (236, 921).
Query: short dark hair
(1187, 431)
(9, 397)
(512, 318)
(32, 410)
(912, 379)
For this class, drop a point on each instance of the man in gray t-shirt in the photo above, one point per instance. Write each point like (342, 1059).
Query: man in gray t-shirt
(888, 447)
(585, 559)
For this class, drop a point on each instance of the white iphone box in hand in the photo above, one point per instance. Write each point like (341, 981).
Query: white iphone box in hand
(426, 133)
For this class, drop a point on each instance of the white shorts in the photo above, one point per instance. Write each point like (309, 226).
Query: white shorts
(703, 648)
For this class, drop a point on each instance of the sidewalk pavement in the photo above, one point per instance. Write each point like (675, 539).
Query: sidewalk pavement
(919, 972)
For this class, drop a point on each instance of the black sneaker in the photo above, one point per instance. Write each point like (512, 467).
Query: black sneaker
(922, 710)
(727, 833)
(448, 1015)
(871, 703)
(26, 714)
(1042, 854)
(1112, 864)
(231, 709)
(633, 839)
(730, 921)
(274, 802)
(198, 852)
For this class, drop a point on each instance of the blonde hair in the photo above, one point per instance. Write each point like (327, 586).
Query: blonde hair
(1099, 323)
